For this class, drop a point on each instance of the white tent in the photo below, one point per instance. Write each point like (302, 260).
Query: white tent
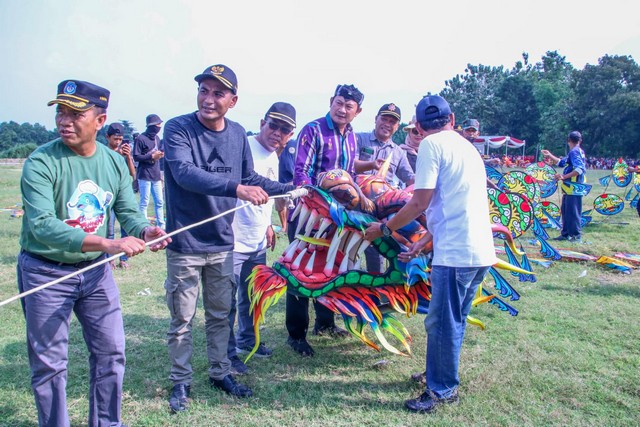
(483, 143)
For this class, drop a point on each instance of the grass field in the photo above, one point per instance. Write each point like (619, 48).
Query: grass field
(571, 357)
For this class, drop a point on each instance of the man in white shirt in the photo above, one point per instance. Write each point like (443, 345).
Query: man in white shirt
(252, 230)
(450, 185)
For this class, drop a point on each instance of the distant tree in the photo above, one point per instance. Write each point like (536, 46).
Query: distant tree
(605, 106)
(20, 151)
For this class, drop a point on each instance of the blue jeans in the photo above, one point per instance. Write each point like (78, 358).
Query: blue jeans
(94, 298)
(155, 188)
(243, 263)
(571, 210)
(452, 291)
(111, 232)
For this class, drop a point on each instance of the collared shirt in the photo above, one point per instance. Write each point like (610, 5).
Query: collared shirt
(321, 148)
(371, 148)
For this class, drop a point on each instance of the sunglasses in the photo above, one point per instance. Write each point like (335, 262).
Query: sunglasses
(415, 132)
(286, 130)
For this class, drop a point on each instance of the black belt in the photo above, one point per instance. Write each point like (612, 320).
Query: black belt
(78, 265)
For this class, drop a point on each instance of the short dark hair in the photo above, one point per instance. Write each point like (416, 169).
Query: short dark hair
(100, 110)
(434, 124)
(575, 137)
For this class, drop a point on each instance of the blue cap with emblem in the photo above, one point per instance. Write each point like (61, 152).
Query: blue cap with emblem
(80, 95)
(222, 73)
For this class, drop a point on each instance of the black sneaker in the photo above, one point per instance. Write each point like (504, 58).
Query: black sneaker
(332, 331)
(428, 402)
(419, 377)
(179, 397)
(575, 239)
(262, 351)
(560, 238)
(301, 347)
(237, 366)
(229, 385)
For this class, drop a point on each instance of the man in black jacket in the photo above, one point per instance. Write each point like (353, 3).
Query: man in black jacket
(148, 154)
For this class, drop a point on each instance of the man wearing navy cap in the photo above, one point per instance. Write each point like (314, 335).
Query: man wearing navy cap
(252, 230)
(148, 153)
(70, 187)
(450, 186)
(208, 167)
(373, 149)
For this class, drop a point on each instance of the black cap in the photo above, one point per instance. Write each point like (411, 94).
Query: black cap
(575, 136)
(222, 73)
(115, 129)
(471, 123)
(282, 111)
(153, 120)
(432, 107)
(81, 96)
(390, 109)
(349, 92)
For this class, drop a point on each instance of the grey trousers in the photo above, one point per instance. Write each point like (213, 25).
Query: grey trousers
(93, 296)
(185, 272)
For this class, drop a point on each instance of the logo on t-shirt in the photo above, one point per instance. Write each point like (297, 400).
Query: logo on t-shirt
(87, 207)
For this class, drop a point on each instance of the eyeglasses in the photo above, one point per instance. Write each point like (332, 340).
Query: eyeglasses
(415, 132)
(286, 130)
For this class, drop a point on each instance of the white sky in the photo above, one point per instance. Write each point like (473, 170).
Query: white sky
(147, 52)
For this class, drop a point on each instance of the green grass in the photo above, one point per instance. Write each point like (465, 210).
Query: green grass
(571, 357)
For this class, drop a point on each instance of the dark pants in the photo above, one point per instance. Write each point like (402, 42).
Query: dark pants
(297, 310)
(93, 296)
(571, 211)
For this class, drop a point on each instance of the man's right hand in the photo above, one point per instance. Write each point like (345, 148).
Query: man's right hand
(129, 245)
(255, 195)
(156, 155)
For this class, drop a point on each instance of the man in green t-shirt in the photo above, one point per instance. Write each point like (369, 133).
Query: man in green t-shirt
(69, 188)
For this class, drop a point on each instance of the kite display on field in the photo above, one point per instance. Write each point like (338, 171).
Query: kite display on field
(633, 259)
(324, 261)
(620, 173)
(616, 264)
(543, 173)
(608, 204)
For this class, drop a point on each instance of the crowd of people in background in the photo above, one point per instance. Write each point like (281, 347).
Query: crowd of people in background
(608, 162)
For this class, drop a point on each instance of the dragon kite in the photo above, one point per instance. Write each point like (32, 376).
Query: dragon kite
(323, 261)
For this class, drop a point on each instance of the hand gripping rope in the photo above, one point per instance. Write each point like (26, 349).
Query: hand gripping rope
(293, 194)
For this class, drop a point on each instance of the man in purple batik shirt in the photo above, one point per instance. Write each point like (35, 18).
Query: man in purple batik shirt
(323, 144)
(329, 142)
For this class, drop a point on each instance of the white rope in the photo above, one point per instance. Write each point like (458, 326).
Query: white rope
(293, 194)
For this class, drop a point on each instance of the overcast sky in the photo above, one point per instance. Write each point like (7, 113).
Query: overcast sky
(147, 52)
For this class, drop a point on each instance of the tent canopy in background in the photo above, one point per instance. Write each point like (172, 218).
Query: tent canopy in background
(483, 143)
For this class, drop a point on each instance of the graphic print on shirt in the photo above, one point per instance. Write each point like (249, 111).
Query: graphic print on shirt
(87, 207)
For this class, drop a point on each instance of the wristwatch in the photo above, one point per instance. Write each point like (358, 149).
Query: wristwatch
(386, 231)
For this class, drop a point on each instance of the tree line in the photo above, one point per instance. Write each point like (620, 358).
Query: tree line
(543, 102)
(540, 102)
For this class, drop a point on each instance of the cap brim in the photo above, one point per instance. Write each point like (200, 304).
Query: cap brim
(74, 105)
(408, 128)
(390, 113)
(283, 118)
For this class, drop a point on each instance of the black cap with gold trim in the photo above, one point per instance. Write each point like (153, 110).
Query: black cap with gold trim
(220, 72)
(283, 111)
(390, 109)
(81, 96)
